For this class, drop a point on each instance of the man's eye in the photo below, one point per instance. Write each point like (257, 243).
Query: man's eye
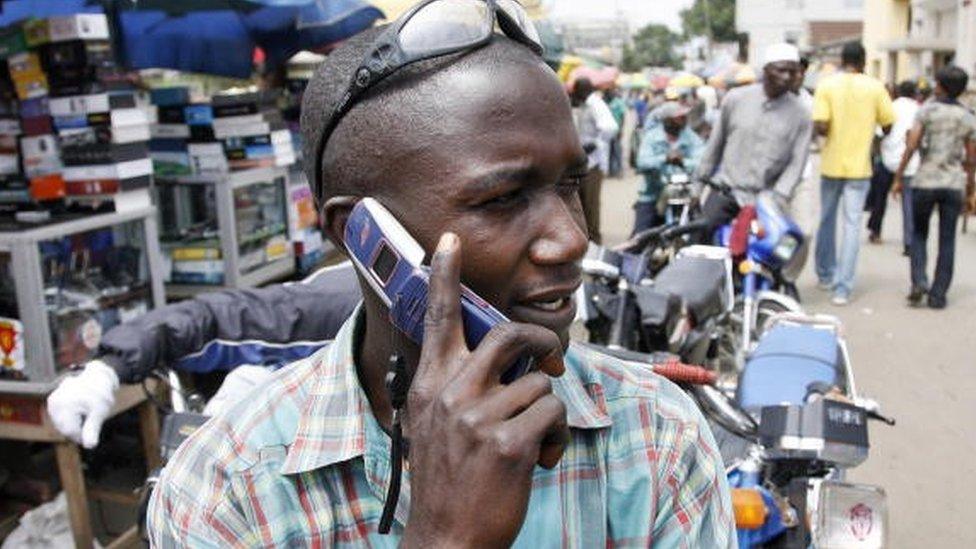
(507, 199)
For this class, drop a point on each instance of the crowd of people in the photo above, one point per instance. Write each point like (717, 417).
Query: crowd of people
(913, 143)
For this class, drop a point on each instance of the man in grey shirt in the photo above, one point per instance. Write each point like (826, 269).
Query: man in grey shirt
(760, 141)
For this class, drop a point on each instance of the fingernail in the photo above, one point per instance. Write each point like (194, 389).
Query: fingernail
(553, 364)
(447, 242)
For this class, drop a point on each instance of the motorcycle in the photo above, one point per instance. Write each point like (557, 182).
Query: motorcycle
(788, 434)
(770, 251)
(627, 303)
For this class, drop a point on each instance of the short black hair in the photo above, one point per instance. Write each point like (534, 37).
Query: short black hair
(804, 62)
(853, 54)
(358, 155)
(953, 80)
(907, 88)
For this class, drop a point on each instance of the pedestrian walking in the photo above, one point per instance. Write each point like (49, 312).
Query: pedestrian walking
(892, 148)
(847, 107)
(596, 127)
(618, 107)
(945, 134)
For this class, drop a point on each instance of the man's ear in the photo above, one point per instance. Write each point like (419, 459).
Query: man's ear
(335, 213)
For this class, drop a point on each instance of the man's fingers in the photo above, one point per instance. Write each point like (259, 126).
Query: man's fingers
(505, 402)
(508, 342)
(91, 430)
(443, 329)
(543, 425)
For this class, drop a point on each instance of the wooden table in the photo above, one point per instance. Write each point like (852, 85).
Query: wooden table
(24, 417)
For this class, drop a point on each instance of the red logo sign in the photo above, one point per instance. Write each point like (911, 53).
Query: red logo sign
(862, 521)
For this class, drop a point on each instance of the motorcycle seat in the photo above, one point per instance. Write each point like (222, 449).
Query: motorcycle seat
(786, 361)
(698, 281)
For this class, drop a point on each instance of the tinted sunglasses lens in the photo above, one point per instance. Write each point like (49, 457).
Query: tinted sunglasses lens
(517, 13)
(444, 25)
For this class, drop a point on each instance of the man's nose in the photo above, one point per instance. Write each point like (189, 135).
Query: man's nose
(563, 237)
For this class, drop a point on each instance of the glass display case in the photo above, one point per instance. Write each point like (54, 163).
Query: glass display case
(224, 230)
(66, 281)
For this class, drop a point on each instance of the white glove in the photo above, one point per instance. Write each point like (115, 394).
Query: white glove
(79, 406)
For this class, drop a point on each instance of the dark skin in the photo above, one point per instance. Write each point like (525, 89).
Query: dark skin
(495, 192)
(673, 127)
(912, 142)
(779, 77)
(822, 127)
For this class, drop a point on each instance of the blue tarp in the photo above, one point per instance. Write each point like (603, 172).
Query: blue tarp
(219, 42)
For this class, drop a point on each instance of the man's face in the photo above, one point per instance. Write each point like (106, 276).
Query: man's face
(779, 77)
(501, 169)
(674, 125)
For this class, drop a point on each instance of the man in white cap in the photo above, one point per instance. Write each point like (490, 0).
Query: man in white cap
(760, 141)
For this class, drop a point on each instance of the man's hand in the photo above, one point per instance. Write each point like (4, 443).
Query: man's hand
(79, 406)
(473, 441)
(898, 186)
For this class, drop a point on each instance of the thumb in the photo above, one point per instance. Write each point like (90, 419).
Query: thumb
(92, 427)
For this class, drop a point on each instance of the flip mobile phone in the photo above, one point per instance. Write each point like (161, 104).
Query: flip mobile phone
(392, 262)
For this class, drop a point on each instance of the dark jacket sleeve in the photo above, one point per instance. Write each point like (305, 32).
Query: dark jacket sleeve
(224, 329)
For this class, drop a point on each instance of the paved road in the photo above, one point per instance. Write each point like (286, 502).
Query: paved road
(918, 363)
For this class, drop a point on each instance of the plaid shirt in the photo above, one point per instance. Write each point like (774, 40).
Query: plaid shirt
(302, 462)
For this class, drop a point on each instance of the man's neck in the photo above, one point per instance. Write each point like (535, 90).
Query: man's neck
(372, 356)
(853, 69)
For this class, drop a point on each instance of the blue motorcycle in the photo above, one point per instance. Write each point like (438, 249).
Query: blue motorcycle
(765, 270)
(788, 434)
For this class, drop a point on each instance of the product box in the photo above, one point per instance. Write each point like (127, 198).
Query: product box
(104, 134)
(9, 125)
(103, 153)
(174, 96)
(120, 170)
(31, 85)
(14, 189)
(114, 118)
(77, 54)
(38, 125)
(12, 40)
(40, 155)
(81, 26)
(36, 32)
(93, 103)
(204, 271)
(30, 108)
(9, 164)
(107, 186)
(47, 187)
(23, 64)
(199, 114)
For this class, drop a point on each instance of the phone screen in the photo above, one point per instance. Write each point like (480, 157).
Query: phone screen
(385, 263)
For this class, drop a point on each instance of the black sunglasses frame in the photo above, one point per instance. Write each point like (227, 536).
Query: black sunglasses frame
(387, 56)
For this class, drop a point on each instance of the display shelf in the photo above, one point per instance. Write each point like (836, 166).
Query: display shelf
(224, 230)
(66, 281)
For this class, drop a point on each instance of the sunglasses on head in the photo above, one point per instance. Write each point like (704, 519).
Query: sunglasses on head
(433, 28)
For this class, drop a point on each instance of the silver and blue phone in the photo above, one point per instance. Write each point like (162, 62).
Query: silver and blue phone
(392, 262)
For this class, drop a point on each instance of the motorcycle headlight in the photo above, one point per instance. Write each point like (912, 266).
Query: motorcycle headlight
(850, 516)
(786, 247)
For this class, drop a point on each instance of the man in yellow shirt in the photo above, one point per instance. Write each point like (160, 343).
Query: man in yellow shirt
(847, 107)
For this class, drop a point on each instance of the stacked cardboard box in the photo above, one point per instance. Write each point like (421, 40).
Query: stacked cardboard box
(84, 134)
(234, 132)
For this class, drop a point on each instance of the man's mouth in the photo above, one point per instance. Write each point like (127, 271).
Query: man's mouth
(550, 306)
(554, 308)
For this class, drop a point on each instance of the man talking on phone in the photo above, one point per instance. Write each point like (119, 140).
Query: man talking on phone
(466, 137)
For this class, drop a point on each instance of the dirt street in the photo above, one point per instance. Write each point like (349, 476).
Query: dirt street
(917, 363)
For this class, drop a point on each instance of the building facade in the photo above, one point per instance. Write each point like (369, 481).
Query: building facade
(810, 24)
(914, 38)
(602, 39)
